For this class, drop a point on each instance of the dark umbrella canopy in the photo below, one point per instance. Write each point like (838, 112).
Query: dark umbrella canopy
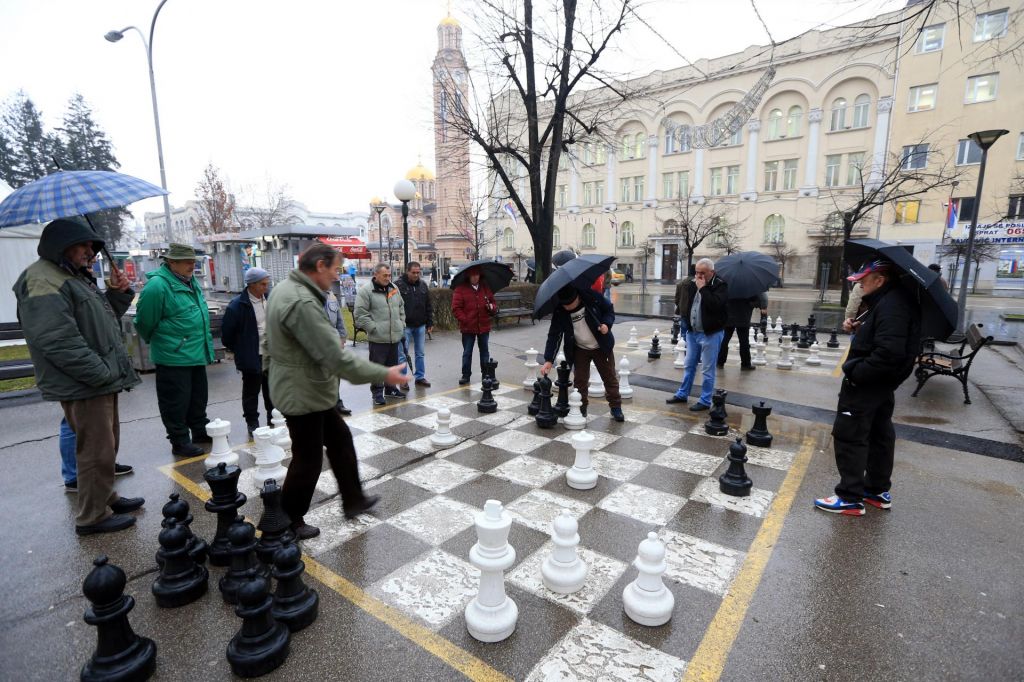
(748, 273)
(579, 273)
(492, 273)
(938, 309)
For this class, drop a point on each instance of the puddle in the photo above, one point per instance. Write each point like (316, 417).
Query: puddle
(919, 419)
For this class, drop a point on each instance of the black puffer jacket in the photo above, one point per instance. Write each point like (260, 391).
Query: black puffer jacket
(714, 310)
(418, 311)
(888, 341)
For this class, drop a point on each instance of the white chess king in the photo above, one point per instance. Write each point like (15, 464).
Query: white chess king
(491, 616)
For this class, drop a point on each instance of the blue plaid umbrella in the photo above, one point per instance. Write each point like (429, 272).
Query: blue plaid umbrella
(71, 193)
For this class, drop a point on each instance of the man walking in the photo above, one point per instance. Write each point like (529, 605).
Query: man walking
(419, 319)
(306, 363)
(242, 331)
(172, 317)
(739, 311)
(473, 306)
(332, 306)
(79, 358)
(707, 297)
(881, 357)
(381, 312)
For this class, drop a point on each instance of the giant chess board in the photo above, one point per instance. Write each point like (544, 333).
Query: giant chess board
(658, 471)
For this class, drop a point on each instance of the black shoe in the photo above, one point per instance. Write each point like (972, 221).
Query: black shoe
(394, 393)
(720, 366)
(699, 407)
(747, 368)
(675, 399)
(304, 531)
(583, 410)
(378, 399)
(463, 380)
(109, 525)
(617, 414)
(404, 387)
(127, 504)
(202, 439)
(368, 503)
(71, 486)
(340, 407)
(186, 450)
(423, 382)
(252, 427)
(122, 469)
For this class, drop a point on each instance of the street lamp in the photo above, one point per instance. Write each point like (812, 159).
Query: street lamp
(984, 139)
(404, 192)
(114, 36)
(378, 205)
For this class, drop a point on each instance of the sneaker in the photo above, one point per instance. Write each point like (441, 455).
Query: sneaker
(202, 439)
(123, 505)
(378, 399)
(837, 505)
(394, 393)
(747, 368)
(344, 411)
(71, 486)
(405, 386)
(617, 415)
(583, 410)
(881, 500)
(304, 531)
(122, 469)
(368, 503)
(463, 380)
(186, 450)
(111, 524)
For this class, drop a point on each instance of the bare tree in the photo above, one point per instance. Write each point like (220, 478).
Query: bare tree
(982, 252)
(270, 206)
(694, 223)
(471, 224)
(781, 252)
(216, 205)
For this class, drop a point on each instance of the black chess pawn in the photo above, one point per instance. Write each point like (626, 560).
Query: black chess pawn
(534, 407)
(758, 434)
(261, 645)
(275, 525)
(546, 417)
(181, 580)
(295, 604)
(833, 341)
(224, 502)
(655, 352)
(244, 566)
(176, 511)
(487, 404)
(734, 481)
(716, 425)
(120, 653)
(563, 383)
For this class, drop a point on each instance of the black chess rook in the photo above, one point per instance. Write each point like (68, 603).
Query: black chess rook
(716, 425)
(734, 481)
(295, 604)
(225, 502)
(261, 645)
(546, 417)
(758, 434)
(244, 566)
(176, 511)
(492, 371)
(120, 653)
(275, 525)
(562, 405)
(180, 580)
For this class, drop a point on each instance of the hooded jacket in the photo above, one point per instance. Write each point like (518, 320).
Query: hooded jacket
(241, 335)
(418, 310)
(381, 312)
(473, 308)
(71, 327)
(173, 319)
(883, 351)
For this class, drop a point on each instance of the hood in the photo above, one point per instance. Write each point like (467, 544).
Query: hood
(60, 234)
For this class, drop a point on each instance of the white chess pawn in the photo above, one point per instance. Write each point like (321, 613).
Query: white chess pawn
(753, 336)
(777, 327)
(268, 457)
(813, 359)
(632, 342)
(277, 419)
(646, 600)
(531, 368)
(759, 358)
(596, 387)
(582, 475)
(443, 436)
(563, 571)
(625, 390)
(784, 361)
(221, 450)
(680, 351)
(575, 419)
(282, 437)
(491, 616)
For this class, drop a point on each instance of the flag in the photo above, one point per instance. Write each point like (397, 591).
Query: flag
(952, 212)
(510, 209)
(615, 225)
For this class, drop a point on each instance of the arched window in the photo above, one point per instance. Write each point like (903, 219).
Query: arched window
(510, 238)
(385, 221)
(626, 234)
(639, 145)
(861, 110)
(774, 228)
(589, 236)
(556, 237)
(838, 114)
(670, 226)
(774, 124)
(834, 223)
(599, 153)
(670, 141)
(627, 146)
(793, 120)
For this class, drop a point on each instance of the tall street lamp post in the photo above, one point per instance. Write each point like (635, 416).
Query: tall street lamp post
(378, 205)
(114, 36)
(984, 139)
(404, 192)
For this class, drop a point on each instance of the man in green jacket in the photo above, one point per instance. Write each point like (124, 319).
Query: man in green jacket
(172, 317)
(79, 358)
(380, 310)
(306, 361)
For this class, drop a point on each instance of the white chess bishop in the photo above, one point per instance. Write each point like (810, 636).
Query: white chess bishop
(575, 419)
(646, 600)
(491, 615)
(443, 436)
(563, 571)
(596, 387)
(582, 475)
(221, 450)
(632, 342)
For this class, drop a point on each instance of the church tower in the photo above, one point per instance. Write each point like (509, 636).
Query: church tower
(451, 148)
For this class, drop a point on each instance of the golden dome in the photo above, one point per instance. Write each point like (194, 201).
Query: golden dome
(450, 21)
(419, 172)
(376, 200)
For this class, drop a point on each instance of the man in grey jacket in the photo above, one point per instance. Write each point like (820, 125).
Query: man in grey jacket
(380, 310)
(333, 308)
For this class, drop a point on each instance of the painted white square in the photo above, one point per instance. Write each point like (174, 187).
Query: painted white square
(528, 471)
(334, 527)
(426, 446)
(370, 444)
(538, 508)
(688, 460)
(371, 422)
(516, 441)
(434, 588)
(654, 434)
(755, 504)
(499, 418)
(602, 572)
(448, 452)
(700, 563)
(440, 475)
(643, 504)
(521, 422)
(770, 457)
(509, 403)
(328, 485)
(429, 421)
(602, 439)
(438, 401)
(638, 416)
(616, 466)
(435, 520)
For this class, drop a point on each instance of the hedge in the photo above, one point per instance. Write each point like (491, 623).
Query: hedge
(441, 300)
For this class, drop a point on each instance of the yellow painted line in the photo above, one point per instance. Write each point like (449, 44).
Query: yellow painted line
(838, 371)
(708, 662)
(184, 481)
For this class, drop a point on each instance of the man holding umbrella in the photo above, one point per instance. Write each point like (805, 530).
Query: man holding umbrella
(473, 305)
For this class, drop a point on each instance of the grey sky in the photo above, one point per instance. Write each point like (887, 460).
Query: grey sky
(332, 98)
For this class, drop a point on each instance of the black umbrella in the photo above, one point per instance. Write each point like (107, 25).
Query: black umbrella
(579, 272)
(938, 309)
(748, 273)
(494, 274)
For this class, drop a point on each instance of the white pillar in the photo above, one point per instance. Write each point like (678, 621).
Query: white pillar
(574, 187)
(697, 195)
(881, 138)
(810, 188)
(609, 183)
(651, 200)
(659, 248)
(750, 192)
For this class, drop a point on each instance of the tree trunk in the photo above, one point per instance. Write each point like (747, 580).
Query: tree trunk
(844, 296)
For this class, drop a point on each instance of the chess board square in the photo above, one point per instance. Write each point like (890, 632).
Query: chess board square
(649, 433)
(601, 438)
(429, 421)
(717, 524)
(764, 478)
(410, 410)
(328, 484)
(516, 441)
(436, 402)
(439, 475)
(371, 555)
(688, 460)
(435, 520)
(374, 421)
(394, 459)
(556, 452)
(528, 471)
(525, 540)
(395, 496)
(370, 444)
(667, 480)
(636, 449)
(733, 434)
(504, 388)
(334, 527)
(474, 428)
(602, 573)
(770, 457)
(681, 422)
(521, 421)
(481, 457)
(616, 467)
(499, 418)
(643, 504)
(700, 563)
(434, 588)
(506, 402)
(613, 535)
(477, 491)
(404, 432)
(593, 651)
(756, 504)
(426, 446)
(604, 487)
(639, 416)
(538, 508)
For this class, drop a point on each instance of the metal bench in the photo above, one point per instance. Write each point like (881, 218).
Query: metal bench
(510, 304)
(953, 364)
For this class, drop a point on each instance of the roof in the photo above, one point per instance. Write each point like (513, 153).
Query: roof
(419, 172)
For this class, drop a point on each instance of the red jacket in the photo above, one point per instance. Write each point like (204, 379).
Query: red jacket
(473, 308)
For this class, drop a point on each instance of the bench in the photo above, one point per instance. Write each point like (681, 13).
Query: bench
(510, 304)
(16, 369)
(953, 364)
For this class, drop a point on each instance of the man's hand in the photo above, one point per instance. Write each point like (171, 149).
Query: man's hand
(396, 375)
(342, 339)
(546, 368)
(850, 325)
(603, 328)
(118, 280)
(764, 311)
(430, 330)
(699, 281)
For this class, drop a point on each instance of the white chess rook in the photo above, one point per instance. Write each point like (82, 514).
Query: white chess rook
(813, 359)
(531, 368)
(646, 600)
(268, 457)
(575, 419)
(563, 571)
(443, 436)
(221, 450)
(582, 475)
(625, 390)
(596, 387)
(491, 616)
(632, 342)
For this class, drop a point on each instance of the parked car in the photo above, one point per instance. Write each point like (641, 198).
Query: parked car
(617, 278)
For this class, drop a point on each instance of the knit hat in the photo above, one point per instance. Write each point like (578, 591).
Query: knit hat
(567, 295)
(180, 252)
(253, 275)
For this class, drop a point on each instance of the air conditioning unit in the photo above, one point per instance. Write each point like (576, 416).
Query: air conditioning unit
(277, 242)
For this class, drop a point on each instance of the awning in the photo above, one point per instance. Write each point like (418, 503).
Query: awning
(349, 247)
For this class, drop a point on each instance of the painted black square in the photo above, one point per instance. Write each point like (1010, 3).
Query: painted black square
(637, 449)
(396, 496)
(725, 527)
(613, 534)
(404, 433)
(668, 480)
(486, 487)
(482, 457)
(371, 555)
(391, 461)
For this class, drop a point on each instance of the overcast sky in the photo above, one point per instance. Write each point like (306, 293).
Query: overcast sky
(331, 98)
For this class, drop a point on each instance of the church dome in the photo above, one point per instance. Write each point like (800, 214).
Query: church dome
(450, 21)
(419, 172)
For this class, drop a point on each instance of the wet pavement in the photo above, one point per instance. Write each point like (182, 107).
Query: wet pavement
(930, 589)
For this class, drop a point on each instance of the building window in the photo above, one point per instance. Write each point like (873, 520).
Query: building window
(736, 138)
(639, 145)
(556, 237)
(906, 211)
(1020, 147)
(599, 192)
(626, 234)
(588, 153)
(588, 194)
(832, 163)
(965, 209)
(589, 236)
(668, 185)
(861, 111)
(967, 153)
(684, 183)
(599, 153)
(982, 88)
(774, 228)
(1016, 208)
(670, 141)
(683, 143)
(627, 146)
(771, 176)
(789, 173)
(915, 156)
(991, 25)
(793, 120)
(922, 97)
(931, 38)
(834, 223)
(624, 190)
(732, 179)
(855, 168)
(561, 196)
(716, 182)
(510, 238)
(774, 124)
(638, 188)
(838, 121)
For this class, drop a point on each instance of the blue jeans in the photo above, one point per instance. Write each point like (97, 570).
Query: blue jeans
(415, 337)
(467, 352)
(68, 441)
(702, 348)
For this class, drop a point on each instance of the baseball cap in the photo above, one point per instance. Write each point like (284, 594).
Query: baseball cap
(879, 265)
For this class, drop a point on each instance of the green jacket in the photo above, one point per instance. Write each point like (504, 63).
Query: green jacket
(304, 353)
(173, 319)
(72, 329)
(380, 312)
